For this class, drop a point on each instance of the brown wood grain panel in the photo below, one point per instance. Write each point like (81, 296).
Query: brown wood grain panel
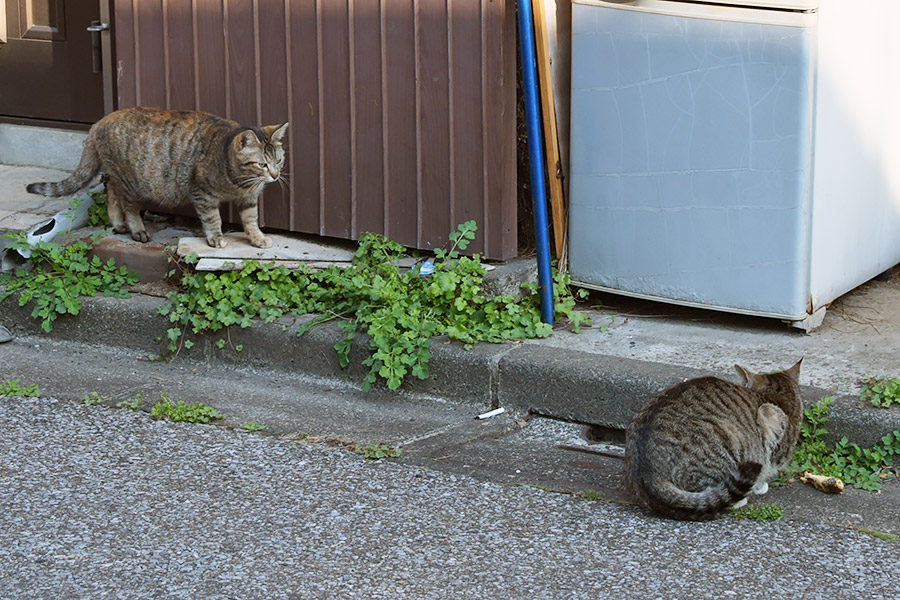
(209, 57)
(399, 94)
(368, 150)
(434, 123)
(334, 77)
(240, 71)
(126, 79)
(150, 54)
(466, 98)
(240, 46)
(402, 112)
(179, 53)
(275, 209)
(500, 127)
(304, 116)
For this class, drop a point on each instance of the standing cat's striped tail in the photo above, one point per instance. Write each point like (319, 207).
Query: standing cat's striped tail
(80, 179)
(672, 501)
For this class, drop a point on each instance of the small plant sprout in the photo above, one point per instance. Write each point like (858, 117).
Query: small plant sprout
(183, 412)
(12, 388)
(92, 399)
(379, 451)
(881, 392)
(136, 404)
(252, 426)
(592, 495)
(767, 512)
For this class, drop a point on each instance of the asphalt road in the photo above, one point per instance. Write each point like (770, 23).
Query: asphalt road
(104, 503)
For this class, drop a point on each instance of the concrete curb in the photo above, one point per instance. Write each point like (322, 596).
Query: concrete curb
(565, 384)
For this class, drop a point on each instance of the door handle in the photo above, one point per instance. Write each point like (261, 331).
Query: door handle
(96, 28)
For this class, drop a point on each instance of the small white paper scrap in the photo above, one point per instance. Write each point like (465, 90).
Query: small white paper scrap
(491, 413)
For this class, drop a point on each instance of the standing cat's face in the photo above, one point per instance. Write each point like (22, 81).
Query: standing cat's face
(260, 160)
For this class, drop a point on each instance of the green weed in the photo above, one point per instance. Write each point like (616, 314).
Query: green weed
(863, 468)
(92, 399)
(180, 411)
(135, 405)
(97, 212)
(252, 426)
(378, 451)
(765, 513)
(400, 311)
(888, 537)
(592, 495)
(12, 388)
(60, 276)
(881, 392)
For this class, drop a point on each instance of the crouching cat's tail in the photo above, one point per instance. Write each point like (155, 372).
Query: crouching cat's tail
(83, 175)
(667, 499)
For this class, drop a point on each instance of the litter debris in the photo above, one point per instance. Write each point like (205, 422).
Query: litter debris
(491, 413)
(62, 222)
(5, 335)
(829, 485)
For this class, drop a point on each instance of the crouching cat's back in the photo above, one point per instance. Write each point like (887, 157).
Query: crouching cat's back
(705, 444)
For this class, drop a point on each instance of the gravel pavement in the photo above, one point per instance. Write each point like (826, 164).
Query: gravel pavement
(103, 503)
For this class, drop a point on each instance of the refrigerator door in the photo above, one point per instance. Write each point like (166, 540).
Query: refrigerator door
(776, 4)
(791, 13)
(691, 157)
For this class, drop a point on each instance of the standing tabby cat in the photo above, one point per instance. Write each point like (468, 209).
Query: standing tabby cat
(177, 157)
(705, 444)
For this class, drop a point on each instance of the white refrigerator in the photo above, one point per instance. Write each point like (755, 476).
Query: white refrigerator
(742, 156)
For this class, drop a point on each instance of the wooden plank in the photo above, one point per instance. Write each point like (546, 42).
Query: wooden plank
(150, 54)
(272, 91)
(179, 52)
(209, 56)
(433, 112)
(303, 133)
(398, 49)
(499, 126)
(367, 116)
(467, 103)
(334, 109)
(551, 137)
(126, 84)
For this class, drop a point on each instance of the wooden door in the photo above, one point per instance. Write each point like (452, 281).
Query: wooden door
(47, 61)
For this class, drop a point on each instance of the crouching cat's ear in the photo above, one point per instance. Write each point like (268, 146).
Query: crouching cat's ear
(275, 132)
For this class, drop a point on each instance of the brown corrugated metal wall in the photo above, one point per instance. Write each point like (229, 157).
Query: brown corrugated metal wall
(402, 112)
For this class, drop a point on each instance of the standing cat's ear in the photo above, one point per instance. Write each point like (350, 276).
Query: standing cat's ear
(276, 132)
(244, 139)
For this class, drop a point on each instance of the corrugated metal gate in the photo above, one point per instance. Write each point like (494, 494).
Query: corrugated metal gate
(402, 111)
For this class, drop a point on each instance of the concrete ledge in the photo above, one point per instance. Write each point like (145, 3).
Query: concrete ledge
(566, 384)
(581, 386)
(28, 146)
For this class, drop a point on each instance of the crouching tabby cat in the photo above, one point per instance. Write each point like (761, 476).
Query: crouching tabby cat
(173, 158)
(705, 444)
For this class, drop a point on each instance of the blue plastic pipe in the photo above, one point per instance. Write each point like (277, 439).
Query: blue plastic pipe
(536, 159)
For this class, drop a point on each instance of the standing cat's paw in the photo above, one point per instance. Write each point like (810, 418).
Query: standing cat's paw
(140, 236)
(261, 242)
(760, 488)
(217, 242)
